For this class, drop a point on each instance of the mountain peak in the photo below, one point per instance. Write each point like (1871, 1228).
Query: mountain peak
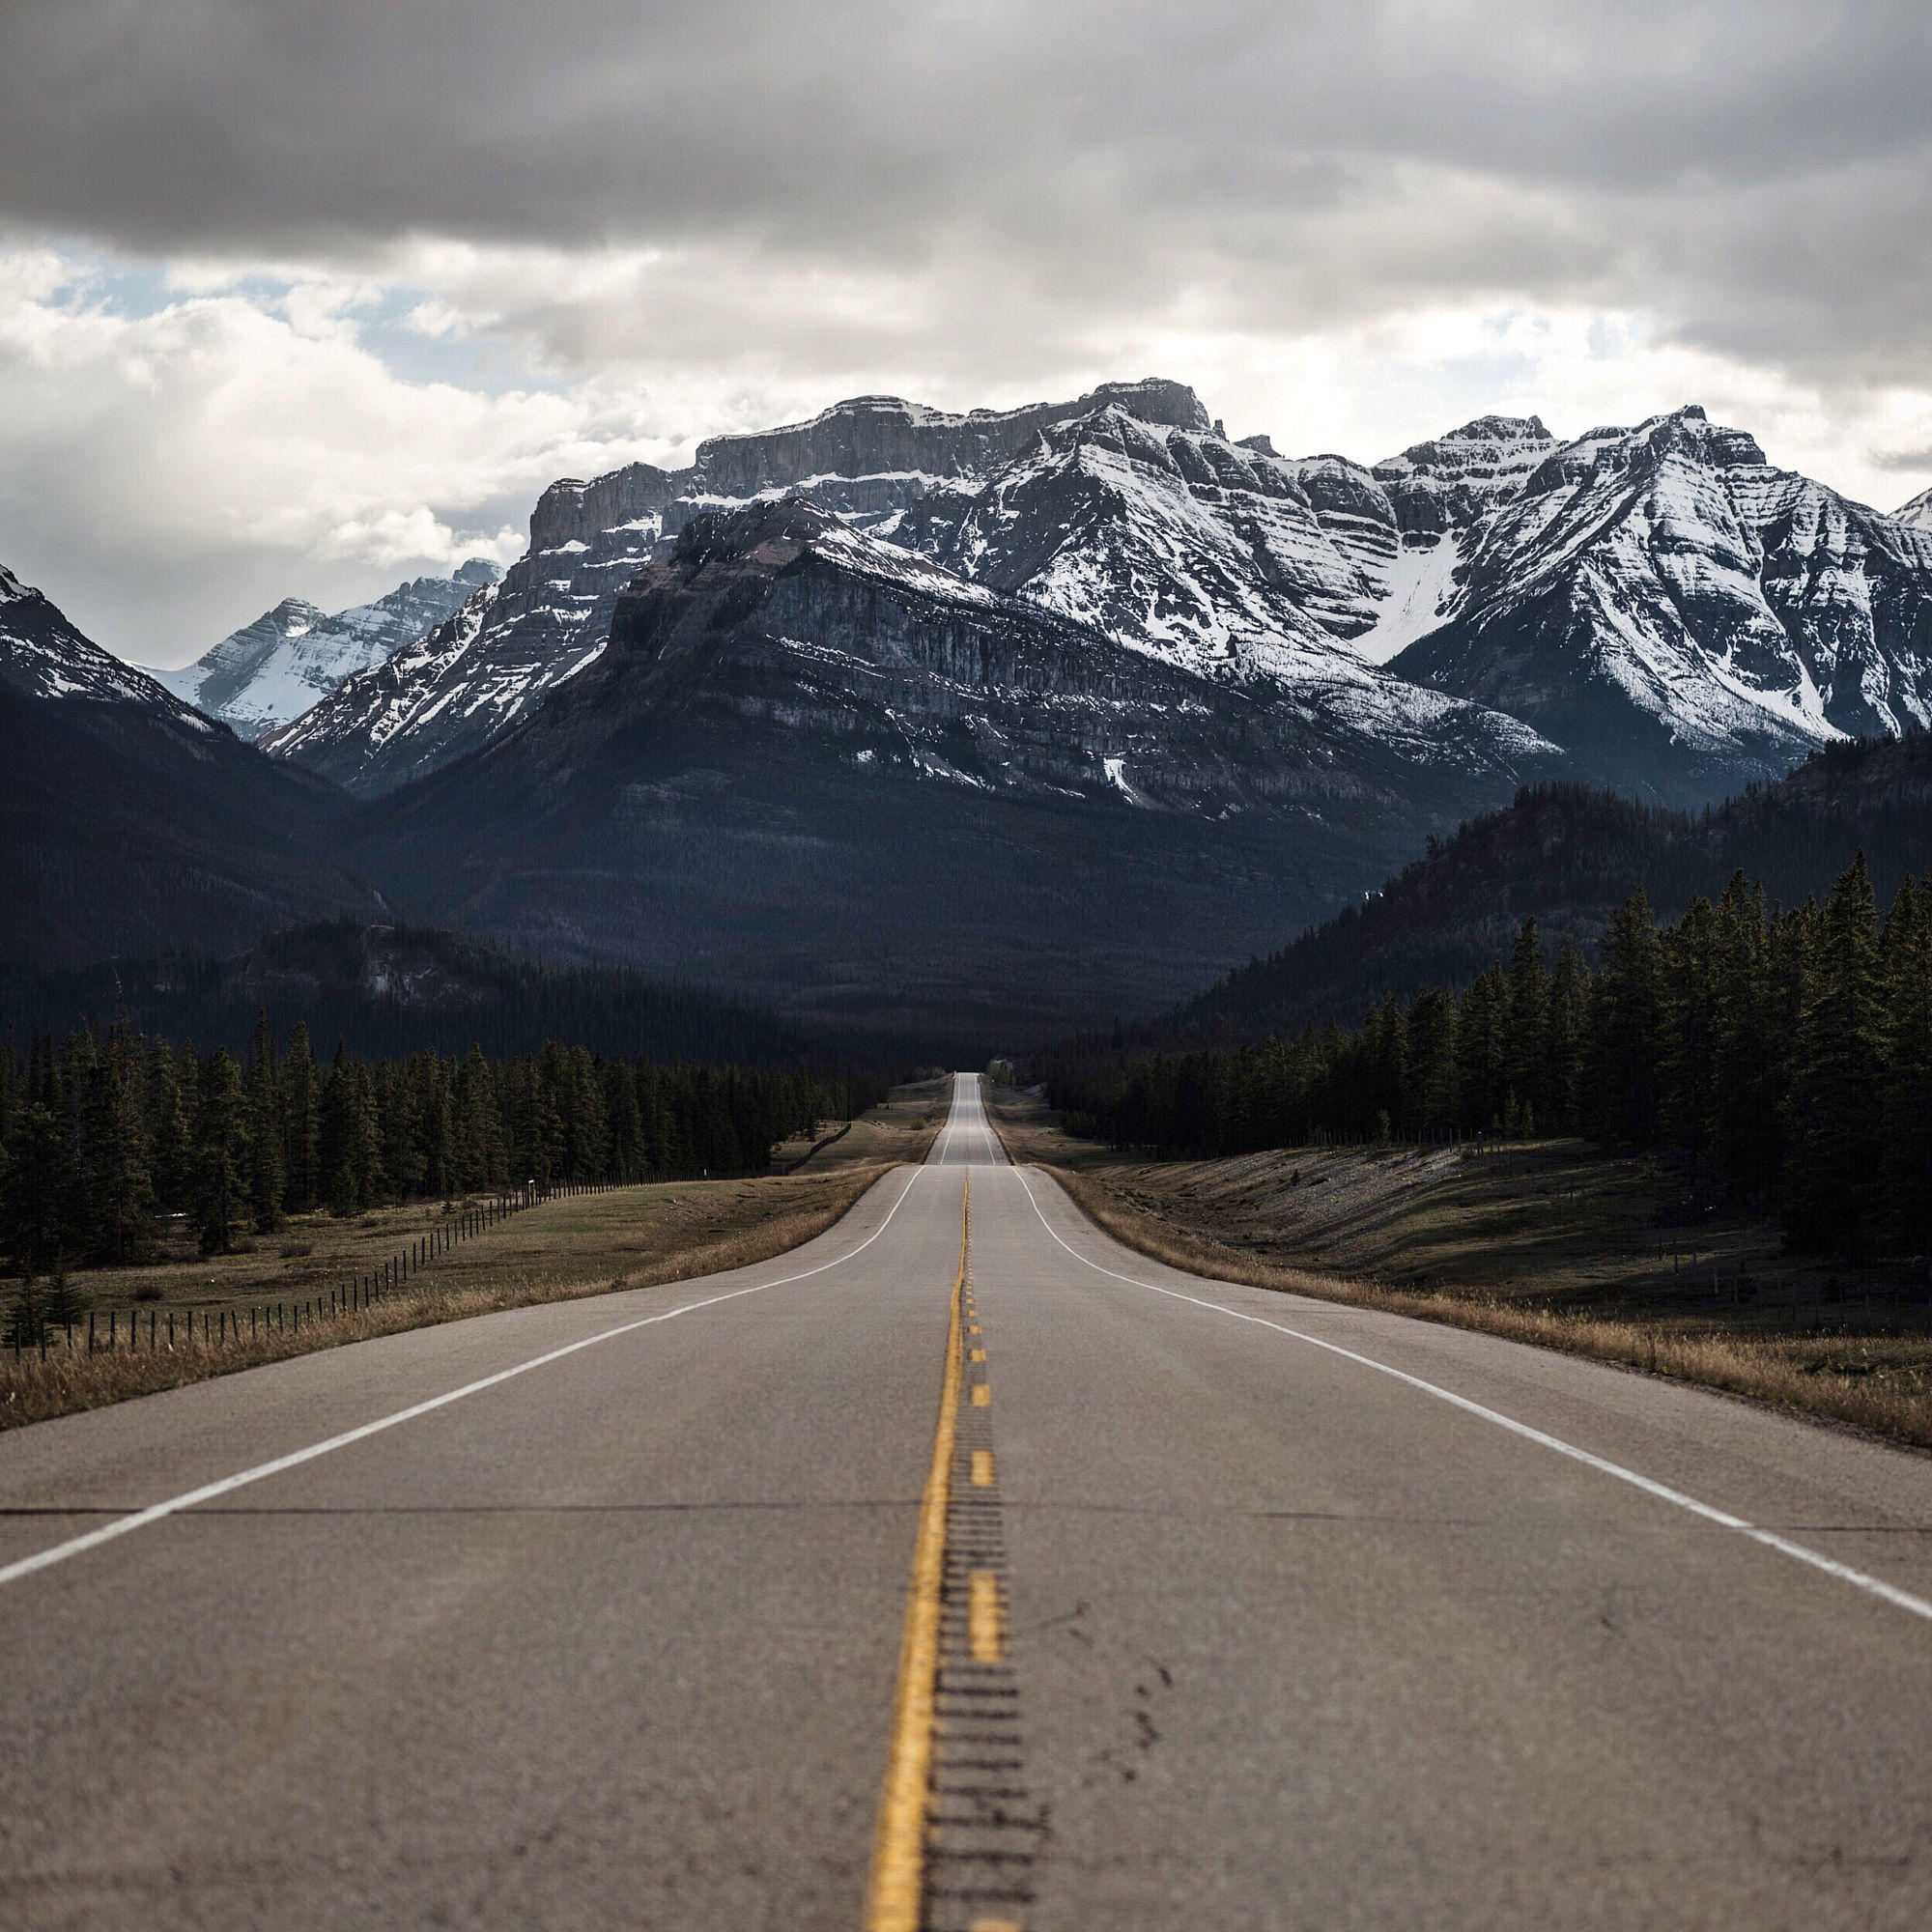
(275, 668)
(292, 616)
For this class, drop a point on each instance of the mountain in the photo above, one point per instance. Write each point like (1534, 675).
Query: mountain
(1682, 617)
(276, 668)
(129, 823)
(1215, 557)
(1677, 614)
(819, 768)
(396, 989)
(487, 664)
(1568, 856)
(1918, 512)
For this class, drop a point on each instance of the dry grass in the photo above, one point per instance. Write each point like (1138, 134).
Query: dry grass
(1553, 1245)
(901, 1129)
(590, 1244)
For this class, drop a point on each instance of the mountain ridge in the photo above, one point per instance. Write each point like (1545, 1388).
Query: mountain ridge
(1678, 643)
(270, 671)
(131, 822)
(1568, 855)
(821, 770)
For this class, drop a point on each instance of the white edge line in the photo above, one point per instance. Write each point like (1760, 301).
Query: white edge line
(1902, 1600)
(45, 1559)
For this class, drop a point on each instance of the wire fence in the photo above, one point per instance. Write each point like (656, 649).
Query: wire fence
(30, 1335)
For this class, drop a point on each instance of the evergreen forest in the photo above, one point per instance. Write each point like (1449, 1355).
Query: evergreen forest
(109, 1138)
(1785, 1055)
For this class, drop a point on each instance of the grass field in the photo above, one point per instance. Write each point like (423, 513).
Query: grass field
(563, 1248)
(1546, 1242)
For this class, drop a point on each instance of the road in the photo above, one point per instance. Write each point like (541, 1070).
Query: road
(1294, 1615)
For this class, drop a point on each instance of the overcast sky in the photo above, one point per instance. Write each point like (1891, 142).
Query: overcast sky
(307, 298)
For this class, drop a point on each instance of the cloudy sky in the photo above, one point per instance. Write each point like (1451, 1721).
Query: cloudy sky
(304, 298)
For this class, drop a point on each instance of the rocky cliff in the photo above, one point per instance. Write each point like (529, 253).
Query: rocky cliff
(821, 769)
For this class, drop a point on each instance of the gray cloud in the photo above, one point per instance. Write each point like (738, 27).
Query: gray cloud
(666, 220)
(1757, 169)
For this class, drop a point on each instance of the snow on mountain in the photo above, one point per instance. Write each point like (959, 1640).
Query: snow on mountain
(1679, 614)
(865, 460)
(1660, 601)
(43, 655)
(275, 668)
(1218, 558)
(1918, 512)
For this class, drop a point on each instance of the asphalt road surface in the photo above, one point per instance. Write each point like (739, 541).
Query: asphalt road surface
(1310, 1617)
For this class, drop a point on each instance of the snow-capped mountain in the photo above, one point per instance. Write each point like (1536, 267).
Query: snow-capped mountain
(276, 668)
(866, 460)
(1918, 512)
(1660, 602)
(1218, 558)
(818, 766)
(1683, 616)
(130, 823)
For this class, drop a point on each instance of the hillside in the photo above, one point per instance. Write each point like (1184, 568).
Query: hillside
(1569, 855)
(130, 824)
(396, 989)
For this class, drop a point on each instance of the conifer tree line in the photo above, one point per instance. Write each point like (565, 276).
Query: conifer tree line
(107, 1133)
(1787, 1055)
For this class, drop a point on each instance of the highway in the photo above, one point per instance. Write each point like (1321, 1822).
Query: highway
(1254, 1611)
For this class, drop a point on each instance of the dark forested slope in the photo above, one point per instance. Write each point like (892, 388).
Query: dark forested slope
(1568, 856)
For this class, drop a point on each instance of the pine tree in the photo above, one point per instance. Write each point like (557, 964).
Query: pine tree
(119, 1193)
(1833, 1108)
(33, 1209)
(1907, 965)
(1383, 1094)
(1479, 1052)
(1625, 1029)
(300, 1124)
(170, 1141)
(1526, 1031)
(1750, 1047)
(1567, 1033)
(267, 1180)
(1432, 1061)
(345, 1139)
(1687, 1100)
(221, 1153)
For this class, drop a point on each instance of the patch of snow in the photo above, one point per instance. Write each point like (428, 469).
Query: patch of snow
(1421, 581)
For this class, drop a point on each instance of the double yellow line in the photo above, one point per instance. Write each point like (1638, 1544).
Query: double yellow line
(898, 1852)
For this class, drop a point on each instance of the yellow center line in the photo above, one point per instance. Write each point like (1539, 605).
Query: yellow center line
(898, 1847)
(986, 1617)
(983, 1395)
(977, 1355)
(983, 1468)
